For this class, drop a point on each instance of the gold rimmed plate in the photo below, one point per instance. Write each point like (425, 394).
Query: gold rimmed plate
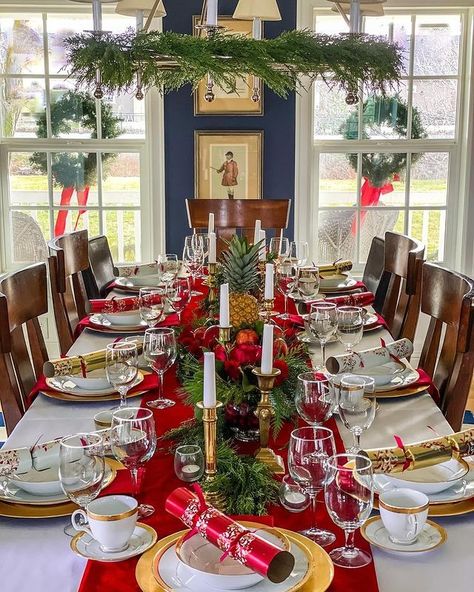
(59, 390)
(99, 323)
(445, 510)
(317, 577)
(431, 537)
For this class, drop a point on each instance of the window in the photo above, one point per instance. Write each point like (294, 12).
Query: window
(353, 195)
(57, 174)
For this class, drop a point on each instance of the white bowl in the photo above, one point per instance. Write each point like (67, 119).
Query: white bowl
(92, 382)
(130, 318)
(433, 479)
(382, 374)
(145, 281)
(332, 280)
(202, 559)
(39, 482)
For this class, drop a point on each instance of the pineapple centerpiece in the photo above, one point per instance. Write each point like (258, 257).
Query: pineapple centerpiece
(240, 271)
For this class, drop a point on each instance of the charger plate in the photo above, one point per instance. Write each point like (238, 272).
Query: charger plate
(318, 578)
(70, 395)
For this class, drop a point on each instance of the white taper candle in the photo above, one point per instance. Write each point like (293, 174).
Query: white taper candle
(269, 273)
(209, 394)
(210, 223)
(267, 349)
(256, 234)
(212, 247)
(263, 249)
(211, 16)
(224, 316)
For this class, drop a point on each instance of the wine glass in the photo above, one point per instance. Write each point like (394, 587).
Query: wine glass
(189, 463)
(168, 267)
(81, 469)
(279, 248)
(159, 348)
(151, 304)
(121, 367)
(178, 294)
(357, 405)
(285, 282)
(350, 326)
(349, 494)
(292, 497)
(323, 325)
(307, 281)
(133, 442)
(193, 260)
(201, 240)
(315, 400)
(309, 450)
(299, 253)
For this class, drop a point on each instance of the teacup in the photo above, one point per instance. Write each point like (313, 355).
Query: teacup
(110, 520)
(404, 513)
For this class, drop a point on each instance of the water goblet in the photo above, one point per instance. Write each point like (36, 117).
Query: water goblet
(299, 253)
(178, 294)
(279, 248)
(159, 348)
(151, 302)
(168, 266)
(350, 326)
(307, 281)
(285, 282)
(81, 469)
(309, 450)
(193, 260)
(189, 463)
(315, 400)
(357, 405)
(323, 325)
(121, 367)
(133, 442)
(292, 497)
(349, 494)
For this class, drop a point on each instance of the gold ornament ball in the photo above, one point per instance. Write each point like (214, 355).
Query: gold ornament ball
(99, 93)
(352, 98)
(209, 96)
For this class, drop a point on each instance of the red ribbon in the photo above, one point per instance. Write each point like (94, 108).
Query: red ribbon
(393, 356)
(400, 444)
(370, 196)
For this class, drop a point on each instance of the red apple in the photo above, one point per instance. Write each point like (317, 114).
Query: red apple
(247, 336)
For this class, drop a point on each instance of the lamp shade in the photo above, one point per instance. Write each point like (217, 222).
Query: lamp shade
(265, 10)
(131, 7)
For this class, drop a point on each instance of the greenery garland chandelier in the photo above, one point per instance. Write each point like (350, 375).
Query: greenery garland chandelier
(106, 62)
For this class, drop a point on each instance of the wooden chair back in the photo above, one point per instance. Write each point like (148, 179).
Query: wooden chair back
(102, 271)
(69, 258)
(23, 298)
(239, 215)
(401, 307)
(374, 277)
(448, 349)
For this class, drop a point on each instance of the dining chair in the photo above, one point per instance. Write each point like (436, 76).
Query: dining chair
(239, 215)
(69, 259)
(401, 305)
(374, 277)
(102, 271)
(448, 350)
(23, 299)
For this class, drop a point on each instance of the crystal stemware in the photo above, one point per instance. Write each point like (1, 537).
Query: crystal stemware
(133, 441)
(299, 251)
(292, 497)
(350, 326)
(81, 469)
(193, 260)
(349, 494)
(315, 400)
(121, 367)
(178, 294)
(357, 405)
(309, 450)
(189, 463)
(168, 267)
(151, 302)
(159, 348)
(323, 325)
(307, 281)
(279, 248)
(285, 282)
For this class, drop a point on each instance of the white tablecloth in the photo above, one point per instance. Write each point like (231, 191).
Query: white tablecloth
(35, 554)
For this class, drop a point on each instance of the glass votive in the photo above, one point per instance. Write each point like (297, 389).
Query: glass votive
(189, 463)
(292, 497)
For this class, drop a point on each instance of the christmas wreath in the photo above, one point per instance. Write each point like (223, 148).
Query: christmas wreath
(70, 170)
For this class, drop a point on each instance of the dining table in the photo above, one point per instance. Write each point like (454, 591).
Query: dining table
(35, 554)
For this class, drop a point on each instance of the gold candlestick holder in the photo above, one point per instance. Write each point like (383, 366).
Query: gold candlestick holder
(224, 334)
(268, 312)
(209, 418)
(265, 412)
(261, 271)
(211, 282)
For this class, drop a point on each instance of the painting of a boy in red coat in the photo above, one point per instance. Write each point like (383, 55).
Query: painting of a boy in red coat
(231, 172)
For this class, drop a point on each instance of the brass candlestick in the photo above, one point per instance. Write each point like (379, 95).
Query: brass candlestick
(268, 311)
(211, 282)
(209, 418)
(261, 271)
(224, 334)
(265, 412)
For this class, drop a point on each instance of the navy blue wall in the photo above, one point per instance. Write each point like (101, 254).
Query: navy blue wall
(278, 124)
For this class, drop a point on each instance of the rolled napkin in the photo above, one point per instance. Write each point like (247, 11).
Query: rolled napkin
(138, 270)
(361, 299)
(229, 536)
(422, 454)
(16, 460)
(370, 358)
(336, 267)
(111, 305)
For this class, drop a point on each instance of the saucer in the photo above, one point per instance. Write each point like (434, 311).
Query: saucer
(433, 535)
(142, 539)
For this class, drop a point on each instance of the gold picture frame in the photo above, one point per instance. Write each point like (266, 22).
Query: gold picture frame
(235, 103)
(217, 175)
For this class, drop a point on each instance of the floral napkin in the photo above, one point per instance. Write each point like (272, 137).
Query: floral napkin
(370, 358)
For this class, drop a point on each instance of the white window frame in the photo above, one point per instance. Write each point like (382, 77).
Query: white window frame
(150, 149)
(459, 216)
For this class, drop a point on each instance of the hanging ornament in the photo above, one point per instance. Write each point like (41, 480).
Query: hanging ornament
(209, 96)
(352, 98)
(139, 93)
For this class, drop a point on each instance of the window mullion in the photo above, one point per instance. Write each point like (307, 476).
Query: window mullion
(47, 89)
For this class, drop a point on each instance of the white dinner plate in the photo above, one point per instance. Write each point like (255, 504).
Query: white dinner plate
(101, 323)
(63, 384)
(349, 284)
(129, 318)
(177, 577)
(400, 381)
(334, 280)
(383, 375)
(137, 282)
(94, 381)
(39, 483)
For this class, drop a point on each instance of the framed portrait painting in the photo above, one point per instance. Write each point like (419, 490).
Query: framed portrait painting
(228, 164)
(236, 101)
